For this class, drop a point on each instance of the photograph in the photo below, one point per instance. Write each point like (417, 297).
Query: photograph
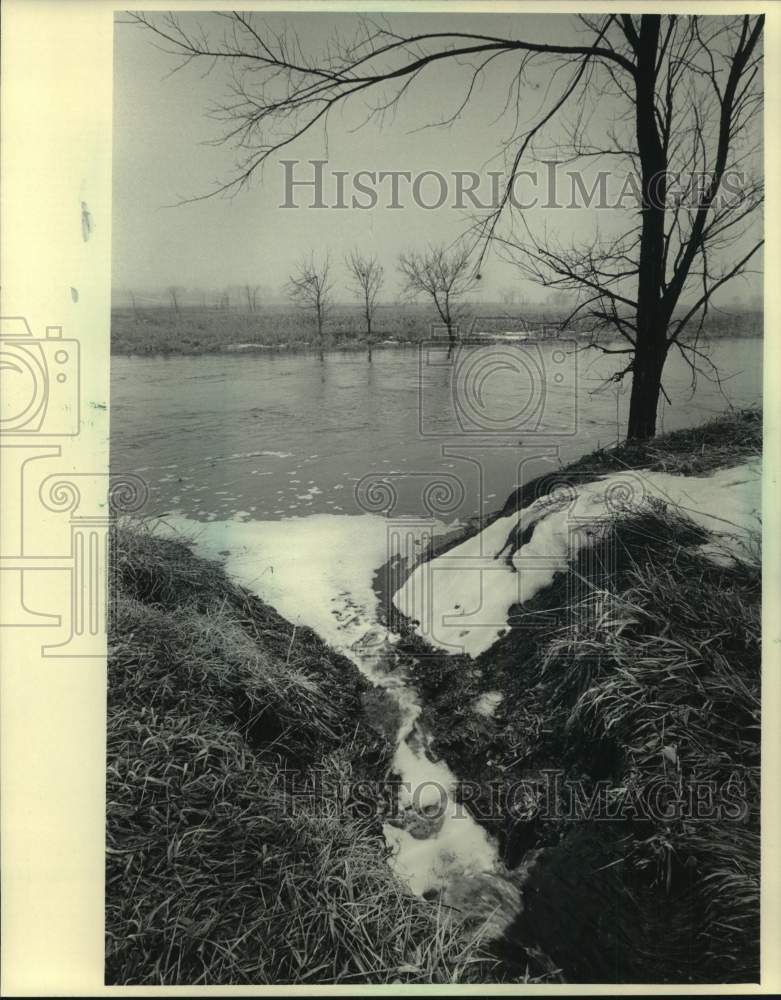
(434, 553)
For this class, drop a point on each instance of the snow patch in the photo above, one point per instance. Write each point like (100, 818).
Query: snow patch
(318, 571)
(459, 601)
(487, 704)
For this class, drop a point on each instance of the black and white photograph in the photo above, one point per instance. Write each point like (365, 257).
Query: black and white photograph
(435, 553)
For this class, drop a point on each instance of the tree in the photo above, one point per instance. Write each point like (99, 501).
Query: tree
(690, 91)
(252, 293)
(444, 275)
(310, 287)
(367, 276)
(133, 304)
(174, 296)
(687, 91)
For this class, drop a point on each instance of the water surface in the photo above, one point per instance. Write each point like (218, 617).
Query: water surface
(270, 437)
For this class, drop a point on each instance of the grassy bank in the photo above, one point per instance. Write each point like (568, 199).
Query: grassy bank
(200, 330)
(216, 873)
(161, 330)
(624, 755)
(728, 440)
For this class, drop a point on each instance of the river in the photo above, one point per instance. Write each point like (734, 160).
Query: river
(282, 435)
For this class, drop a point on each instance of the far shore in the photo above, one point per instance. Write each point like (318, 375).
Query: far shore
(160, 332)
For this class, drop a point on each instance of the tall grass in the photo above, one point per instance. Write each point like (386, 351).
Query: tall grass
(666, 678)
(640, 664)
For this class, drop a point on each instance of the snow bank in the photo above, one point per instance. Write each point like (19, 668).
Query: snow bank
(315, 571)
(461, 599)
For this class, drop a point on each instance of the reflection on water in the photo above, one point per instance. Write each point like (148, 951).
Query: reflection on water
(265, 438)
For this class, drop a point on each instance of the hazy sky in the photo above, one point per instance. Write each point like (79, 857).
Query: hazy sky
(162, 155)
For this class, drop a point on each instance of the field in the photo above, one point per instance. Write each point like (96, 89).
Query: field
(201, 330)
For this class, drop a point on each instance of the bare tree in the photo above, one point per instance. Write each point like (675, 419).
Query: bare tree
(133, 304)
(252, 293)
(367, 276)
(310, 287)
(687, 91)
(174, 297)
(688, 102)
(444, 275)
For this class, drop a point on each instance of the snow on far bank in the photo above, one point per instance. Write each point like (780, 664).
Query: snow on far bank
(461, 599)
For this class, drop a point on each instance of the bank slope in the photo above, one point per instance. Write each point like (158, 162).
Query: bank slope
(611, 737)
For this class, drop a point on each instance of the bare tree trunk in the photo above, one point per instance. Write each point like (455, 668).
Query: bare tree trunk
(369, 333)
(651, 323)
(646, 387)
(451, 338)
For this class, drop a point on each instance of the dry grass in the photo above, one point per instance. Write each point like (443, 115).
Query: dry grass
(652, 672)
(667, 679)
(640, 666)
(734, 437)
(276, 327)
(203, 329)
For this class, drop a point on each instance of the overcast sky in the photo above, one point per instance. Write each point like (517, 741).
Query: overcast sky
(162, 155)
